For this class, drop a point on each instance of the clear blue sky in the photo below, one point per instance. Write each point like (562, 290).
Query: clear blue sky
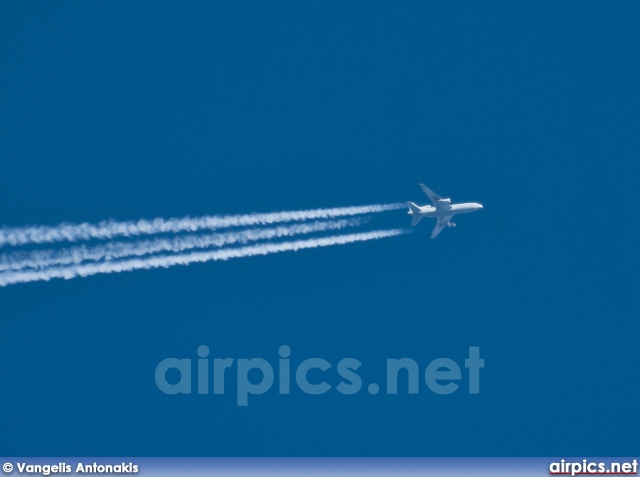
(147, 109)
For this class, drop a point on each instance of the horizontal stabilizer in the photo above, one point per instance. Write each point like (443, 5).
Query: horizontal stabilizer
(414, 211)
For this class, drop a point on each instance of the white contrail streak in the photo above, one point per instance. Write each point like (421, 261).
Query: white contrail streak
(38, 259)
(166, 261)
(110, 229)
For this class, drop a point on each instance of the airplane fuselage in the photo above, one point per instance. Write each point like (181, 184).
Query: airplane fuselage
(462, 208)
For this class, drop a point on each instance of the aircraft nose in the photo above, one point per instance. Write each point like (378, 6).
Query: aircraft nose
(480, 206)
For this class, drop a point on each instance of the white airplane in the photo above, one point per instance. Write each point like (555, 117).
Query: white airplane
(442, 209)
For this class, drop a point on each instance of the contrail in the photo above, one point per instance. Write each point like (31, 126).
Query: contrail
(166, 261)
(110, 229)
(38, 259)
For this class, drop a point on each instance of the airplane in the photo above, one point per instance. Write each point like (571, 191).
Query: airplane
(442, 209)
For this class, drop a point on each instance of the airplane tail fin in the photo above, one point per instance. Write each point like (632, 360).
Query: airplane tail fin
(414, 210)
(413, 207)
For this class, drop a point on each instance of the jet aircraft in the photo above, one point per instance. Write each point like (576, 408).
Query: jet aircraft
(442, 209)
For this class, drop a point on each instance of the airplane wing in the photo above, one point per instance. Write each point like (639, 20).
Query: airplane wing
(438, 201)
(440, 224)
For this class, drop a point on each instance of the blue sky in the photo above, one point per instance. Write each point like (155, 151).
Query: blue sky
(163, 109)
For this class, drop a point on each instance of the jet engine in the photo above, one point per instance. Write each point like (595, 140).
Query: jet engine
(451, 224)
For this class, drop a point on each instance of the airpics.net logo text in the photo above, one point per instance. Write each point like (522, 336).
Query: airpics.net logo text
(256, 376)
